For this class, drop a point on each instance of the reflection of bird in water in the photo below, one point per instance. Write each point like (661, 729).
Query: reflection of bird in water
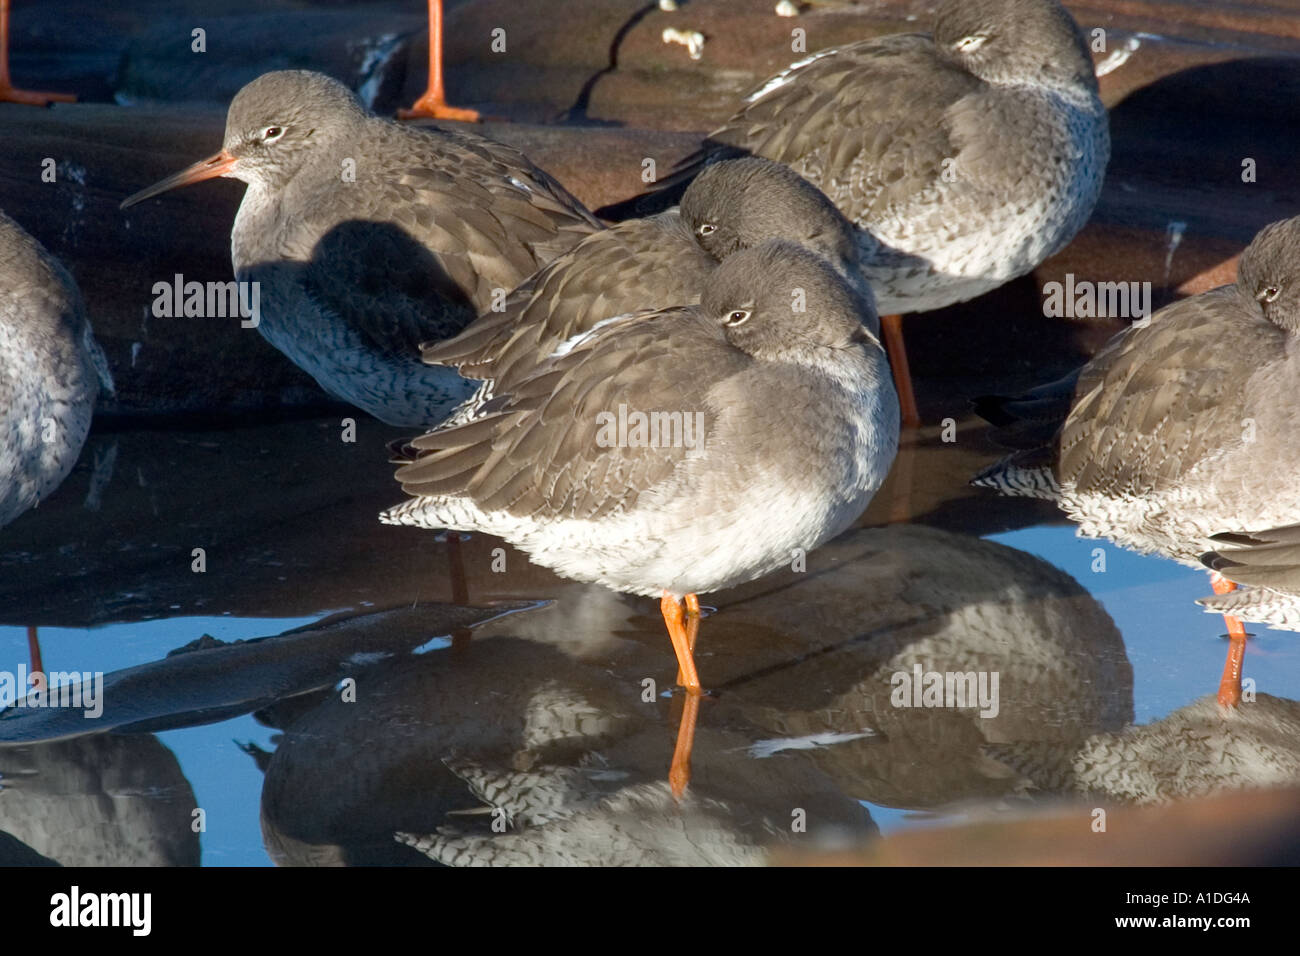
(1180, 429)
(816, 660)
(101, 800)
(367, 238)
(781, 395)
(558, 818)
(1196, 751)
(560, 743)
(965, 157)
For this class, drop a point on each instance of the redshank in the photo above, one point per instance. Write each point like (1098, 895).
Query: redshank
(663, 260)
(367, 238)
(966, 157)
(637, 458)
(8, 93)
(1180, 433)
(433, 103)
(51, 372)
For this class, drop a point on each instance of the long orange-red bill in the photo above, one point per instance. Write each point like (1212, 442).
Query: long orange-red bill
(213, 166)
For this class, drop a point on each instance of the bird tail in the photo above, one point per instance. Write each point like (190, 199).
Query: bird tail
(1029, 425)
(668, 191)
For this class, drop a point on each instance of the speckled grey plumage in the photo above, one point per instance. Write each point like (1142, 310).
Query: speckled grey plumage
(660, 261)
(51, 371)
(797, 411)
(356, 274)
(1198, 750)
(965, 157)
(564, 819)
(1184, 429)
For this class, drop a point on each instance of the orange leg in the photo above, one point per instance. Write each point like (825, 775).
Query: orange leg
(671, 609)
(34, 650)
(433, 104)
(892, 326)
(7, 92)
(692, 630)
(679, 773)
(1230, 683)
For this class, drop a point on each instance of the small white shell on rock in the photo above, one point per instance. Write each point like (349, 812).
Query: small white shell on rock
(693, 40)
(786, 8)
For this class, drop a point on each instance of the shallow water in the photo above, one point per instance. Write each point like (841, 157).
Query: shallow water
(554, 698)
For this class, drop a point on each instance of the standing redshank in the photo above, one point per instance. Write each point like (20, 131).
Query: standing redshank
(1180, 434)
(661, 261)
(367, 238)
(966, 157)
(8, 93)
(51, 371)
(679, 451)
(433, 103)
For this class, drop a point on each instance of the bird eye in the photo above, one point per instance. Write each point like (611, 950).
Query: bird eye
(272, 133)
(707, 229)
(969, 44)
(1268, 293)
(738, 317)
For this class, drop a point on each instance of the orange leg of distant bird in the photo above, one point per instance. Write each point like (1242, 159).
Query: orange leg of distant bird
(892, 326)
(1230, 683)
(7, 92)
(34, 650)
(683, 638)
(433, 104)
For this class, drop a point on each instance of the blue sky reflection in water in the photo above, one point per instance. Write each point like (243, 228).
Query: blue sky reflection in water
(226, 782)
(1175, 650)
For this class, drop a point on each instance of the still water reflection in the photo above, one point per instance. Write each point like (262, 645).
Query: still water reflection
(537, 723)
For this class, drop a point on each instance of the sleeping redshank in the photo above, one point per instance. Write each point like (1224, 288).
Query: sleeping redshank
(367, 238)
(639, 455)
(1180, 434)
(8, 93)
(433, 103)
(966, 157)
(663, 260)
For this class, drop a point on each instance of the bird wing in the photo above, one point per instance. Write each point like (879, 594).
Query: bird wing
(636, 265)
(539, 451)
(863, 115)
(857, 120)
(1158, 400)
(431, 244)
